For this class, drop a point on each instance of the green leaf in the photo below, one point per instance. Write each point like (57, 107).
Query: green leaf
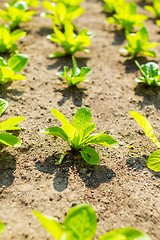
(50, 224)
(90, 128)
(84, 71)
(80, 223)
(10, 140)
(102, 139)
(75, 69)
(82, 119)
(125, 234)
(9, 124)
(146, 126)
(17, 34)
(2, 62)
(150, 69)
(69, 130)
(154, 161)
(56, 131)
(17, 62)
(3, 105)
(90, 155)
(149, 53)
(57, 55)
(150, 9)
(2, 226)
(61, 117)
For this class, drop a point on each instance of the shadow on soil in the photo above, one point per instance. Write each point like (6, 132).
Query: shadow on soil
(92, 176)
(119, 36)
(44, 31)
(67, 61)
(73, 92)
(10, 94)
(151, 95)
(140, 163)
(7, 168)
(131, 67)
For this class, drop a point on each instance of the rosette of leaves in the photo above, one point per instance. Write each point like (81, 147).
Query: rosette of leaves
(126, 16)
(150, 72)
(16, 14)
(78, 134)
(2, 226)
(8, 38)
(70, 41)
(154, 160)
(110, 5)
(75, 75)
(30, 3)
(138, 44)
(9, 69)
(81, 223)
(60, 13)
(9, 125)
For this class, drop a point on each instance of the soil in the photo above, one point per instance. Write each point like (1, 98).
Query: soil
(121, 189)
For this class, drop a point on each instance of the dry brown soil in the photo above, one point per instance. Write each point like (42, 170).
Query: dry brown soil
(121, 189)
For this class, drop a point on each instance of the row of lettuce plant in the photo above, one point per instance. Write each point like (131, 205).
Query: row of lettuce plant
(78, 137)
(79, 134)
(125, 15)
(81, 223)
(66, 33)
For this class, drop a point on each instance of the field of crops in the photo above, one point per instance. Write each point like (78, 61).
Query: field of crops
(118, 176)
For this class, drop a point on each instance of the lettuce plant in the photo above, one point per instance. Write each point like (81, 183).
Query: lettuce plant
(60, 13)
(8, 38)
(9, 125)
(81, 223)
(126, 16)
(9, 69)
(138, 44)
(70, 41)
(155, 9)
(2, 226)
(150, 72)
(154, 160)
(110, 5)
(16, 14)
(30, 3)
(76, 75)
(78, 134)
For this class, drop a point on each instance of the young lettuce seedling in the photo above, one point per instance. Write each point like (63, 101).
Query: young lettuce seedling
(16, 14)
(30, 3)
(9, 125)
(60, 13)
(78, 134)
(110, 5)
(154, 160)
(2, 226)
(9, 69)
(76, 75)
(81, 223)
(8, 38)
(150, 72)
(138, 44)
(70, 42)
(126, 16)
(155, 9)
